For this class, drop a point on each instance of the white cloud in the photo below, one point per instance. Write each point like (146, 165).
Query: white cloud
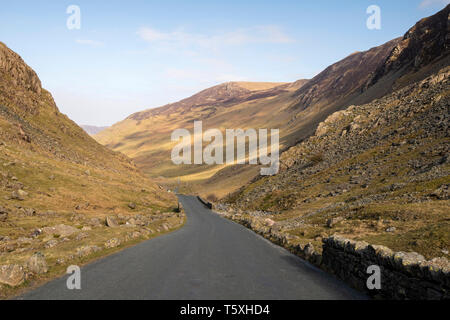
(92, 43)
(182, 39)
(429, 3)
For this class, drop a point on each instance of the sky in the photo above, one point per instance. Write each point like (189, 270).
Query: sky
(128, 56)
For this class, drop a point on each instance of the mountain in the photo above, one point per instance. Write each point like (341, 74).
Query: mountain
(423, 51)
(376, 171)
(146, 136)
(93, 130)
(294, 108)
(342, 81)
(58, 185)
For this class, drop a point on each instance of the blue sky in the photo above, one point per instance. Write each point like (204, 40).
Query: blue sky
(134, 55)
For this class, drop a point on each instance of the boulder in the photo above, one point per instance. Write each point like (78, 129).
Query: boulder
(87, 250)
(37, 264)
(111, 222)
(51, 243)
(333, 221)
(62, 230)
(12, 275)
(16, 196)
(112, 243)
(269, 222)
(95, 222)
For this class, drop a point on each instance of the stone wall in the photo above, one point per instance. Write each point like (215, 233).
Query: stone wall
(403, 275)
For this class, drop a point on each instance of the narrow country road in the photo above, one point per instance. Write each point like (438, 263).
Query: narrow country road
(209, 258)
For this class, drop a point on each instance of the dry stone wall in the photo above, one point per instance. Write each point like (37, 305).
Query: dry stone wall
(403, 276)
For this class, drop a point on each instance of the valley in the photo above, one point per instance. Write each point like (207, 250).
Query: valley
(347, 171)
(364, 146)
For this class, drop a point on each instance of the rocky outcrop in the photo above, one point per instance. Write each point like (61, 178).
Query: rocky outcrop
(12, 65)
(388, 126)
(425, 43)
(343, 79)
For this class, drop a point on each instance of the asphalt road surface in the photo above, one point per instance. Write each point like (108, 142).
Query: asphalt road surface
(209, 258)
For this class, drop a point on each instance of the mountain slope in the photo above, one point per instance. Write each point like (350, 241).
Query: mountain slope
(377, 172)
(343, 79)
(423, 50)
(296, 109)
(145, 136)
(57, 184)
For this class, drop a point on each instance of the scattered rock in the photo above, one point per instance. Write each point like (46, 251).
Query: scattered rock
(3, 214)
(37, 264)
(308, 250)
(95, 222)
(29, 212)
(51, 243)
(333, 221)
(81, 236)
(61, 230)
(132, 205)
(442, 193)
(112, 243)
(87, 250)
(12, 275)
(391, 229)
(111, 222)
(16, 196)
(269, 222)
(25, 240)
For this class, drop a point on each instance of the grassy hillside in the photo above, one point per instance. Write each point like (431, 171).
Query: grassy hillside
(145, 136)
(53, 173)
(377, 172)
(296, 109)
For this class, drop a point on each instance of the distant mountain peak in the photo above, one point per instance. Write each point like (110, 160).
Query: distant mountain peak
(224, 93)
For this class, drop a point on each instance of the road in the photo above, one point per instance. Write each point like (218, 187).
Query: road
(209, 258)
